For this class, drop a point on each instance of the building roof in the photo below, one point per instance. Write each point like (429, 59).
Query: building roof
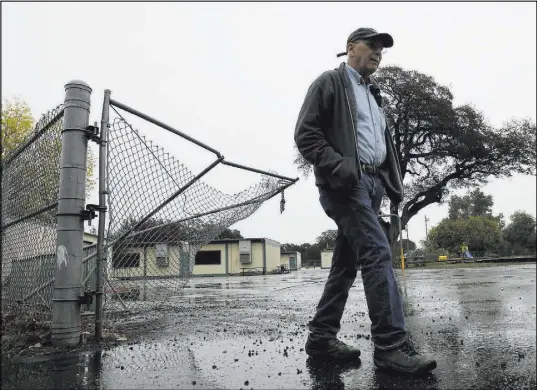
(289, 252)
(253, 239)
(148, 243)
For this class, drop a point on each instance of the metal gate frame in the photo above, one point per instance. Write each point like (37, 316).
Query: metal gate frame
(102, 245)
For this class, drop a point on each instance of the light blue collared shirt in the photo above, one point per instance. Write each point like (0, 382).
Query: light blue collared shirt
(371, 124)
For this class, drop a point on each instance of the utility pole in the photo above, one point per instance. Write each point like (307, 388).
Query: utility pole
(426, 232)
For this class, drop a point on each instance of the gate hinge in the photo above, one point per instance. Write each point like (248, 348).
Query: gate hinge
(90, 212)
(87, 298)
(92, 132)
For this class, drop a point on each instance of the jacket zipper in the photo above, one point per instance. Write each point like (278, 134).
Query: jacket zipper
(354, 134)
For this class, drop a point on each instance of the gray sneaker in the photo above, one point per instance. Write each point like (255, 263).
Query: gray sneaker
(404, 359)
(331, 348)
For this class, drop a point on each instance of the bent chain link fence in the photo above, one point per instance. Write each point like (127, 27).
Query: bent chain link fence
(147, 265)
(30, 184)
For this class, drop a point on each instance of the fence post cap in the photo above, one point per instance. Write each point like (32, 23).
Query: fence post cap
(78, 84)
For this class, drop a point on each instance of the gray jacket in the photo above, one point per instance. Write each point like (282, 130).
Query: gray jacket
(325, 135)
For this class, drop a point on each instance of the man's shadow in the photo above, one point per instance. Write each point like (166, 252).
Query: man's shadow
(326, 374)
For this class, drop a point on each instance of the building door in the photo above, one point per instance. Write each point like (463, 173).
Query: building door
(184, 263)
(292, 262)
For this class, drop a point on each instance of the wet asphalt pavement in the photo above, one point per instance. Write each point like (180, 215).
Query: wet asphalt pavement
(249, 332)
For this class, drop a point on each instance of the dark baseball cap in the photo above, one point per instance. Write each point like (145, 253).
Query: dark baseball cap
(369, 33)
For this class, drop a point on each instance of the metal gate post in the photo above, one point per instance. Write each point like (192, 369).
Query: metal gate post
(66, 325)
(103, 191)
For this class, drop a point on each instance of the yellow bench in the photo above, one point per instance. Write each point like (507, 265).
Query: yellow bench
(442, 258)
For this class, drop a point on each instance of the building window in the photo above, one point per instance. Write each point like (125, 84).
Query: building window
(161, 254)
(162, 262)
(128, 260)
(208, 258)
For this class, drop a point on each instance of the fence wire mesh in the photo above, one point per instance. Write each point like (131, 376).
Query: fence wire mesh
(147, 265)
(30, 183)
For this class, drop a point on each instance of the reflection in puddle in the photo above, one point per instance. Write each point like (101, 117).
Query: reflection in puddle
(162, 290)
(328, 375)
(53, 372)
(162, 364)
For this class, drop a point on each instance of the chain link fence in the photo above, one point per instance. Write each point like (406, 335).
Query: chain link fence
(157, 214)
(30, 183)
(160, 215)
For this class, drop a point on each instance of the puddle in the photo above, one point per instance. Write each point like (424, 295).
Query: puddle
(78, 371)
(147, 365)
(246, 334)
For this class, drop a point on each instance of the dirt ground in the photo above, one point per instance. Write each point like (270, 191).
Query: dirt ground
(24, 335)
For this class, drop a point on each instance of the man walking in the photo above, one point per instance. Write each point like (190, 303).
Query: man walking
(342, 131)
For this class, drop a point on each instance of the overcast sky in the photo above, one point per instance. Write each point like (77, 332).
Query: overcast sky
(234, 76)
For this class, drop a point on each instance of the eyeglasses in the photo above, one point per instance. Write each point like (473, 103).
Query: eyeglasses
(375, 45)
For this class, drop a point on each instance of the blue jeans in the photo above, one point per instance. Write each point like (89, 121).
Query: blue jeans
(360, 241)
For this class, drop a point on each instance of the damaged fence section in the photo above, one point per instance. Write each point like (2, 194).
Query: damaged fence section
(161, 214)
(154, 216)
